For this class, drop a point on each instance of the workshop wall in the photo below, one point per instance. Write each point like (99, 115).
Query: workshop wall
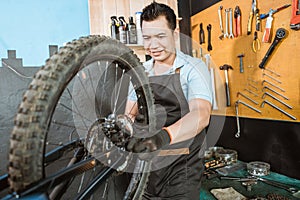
(282, 66)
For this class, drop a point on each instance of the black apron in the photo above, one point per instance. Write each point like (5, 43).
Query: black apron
(176, 177)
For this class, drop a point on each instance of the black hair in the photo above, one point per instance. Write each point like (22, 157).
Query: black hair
(155, 10)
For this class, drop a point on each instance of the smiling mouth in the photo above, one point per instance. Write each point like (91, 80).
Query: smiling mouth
(156, 52)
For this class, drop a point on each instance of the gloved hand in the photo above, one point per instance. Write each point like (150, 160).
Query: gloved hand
(149, 144)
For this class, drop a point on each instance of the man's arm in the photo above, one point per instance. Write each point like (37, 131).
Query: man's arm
(131, 109)
(192, 123)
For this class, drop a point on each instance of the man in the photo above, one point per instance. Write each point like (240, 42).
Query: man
(183, 100)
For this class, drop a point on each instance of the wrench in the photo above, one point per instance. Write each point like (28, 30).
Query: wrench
(226, 35)
(281, 33)
(230, 24)
(237, 135)
(266, 87)
(239, 93)
(221, 22)
(209, 46)
(267, 93)
(277, 108)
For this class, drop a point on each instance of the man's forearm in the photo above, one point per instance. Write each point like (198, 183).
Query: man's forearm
(192, 123)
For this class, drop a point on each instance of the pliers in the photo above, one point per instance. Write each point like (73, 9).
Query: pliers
(254, 10)
(255, 43)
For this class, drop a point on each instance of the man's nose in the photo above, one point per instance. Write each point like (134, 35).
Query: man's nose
(154, 43)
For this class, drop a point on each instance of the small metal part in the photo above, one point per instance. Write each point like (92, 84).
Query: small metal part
(251, 92)
(271, 77)
(273, 72)
(249, 184)
(267, 93)
(266, 87)
(239, 93)
(279, 109)
(245, 104)
(265, 81)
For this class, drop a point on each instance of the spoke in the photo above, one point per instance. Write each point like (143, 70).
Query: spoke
(82, 117)
(89, 73)
(77, 110)
(84, 89)
(118, 93)
(105, 76)
(116, 80)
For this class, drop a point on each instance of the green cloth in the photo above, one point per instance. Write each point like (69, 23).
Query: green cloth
(260, 189)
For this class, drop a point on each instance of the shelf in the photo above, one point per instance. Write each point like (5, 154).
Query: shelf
(136, 46)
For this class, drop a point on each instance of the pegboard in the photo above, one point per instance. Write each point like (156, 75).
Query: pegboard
(282, 72)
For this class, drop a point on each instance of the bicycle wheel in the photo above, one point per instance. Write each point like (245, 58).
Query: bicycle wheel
(81, 89)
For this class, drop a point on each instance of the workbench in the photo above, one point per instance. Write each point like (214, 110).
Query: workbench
(260, 189)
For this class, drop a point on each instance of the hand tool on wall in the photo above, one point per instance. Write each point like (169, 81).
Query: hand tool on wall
(245, 96)
(237, 135)
(251, 92)
(257, 19)
(201, 34)
(272, 84)
(268, 28)
(240, 56)
(226, 67)
(273, 72)
(209, 46)
(277, 108)
(250, 19)
(226, 35)
(230, 24)
(280, 34)
(212, 79)
(253, 86)
(295, 19)
(263, 16)
(270, 95)
(221, 22)
(237, 21)
(255, 43)
(201, 53)
(271, 77)
(266, 87)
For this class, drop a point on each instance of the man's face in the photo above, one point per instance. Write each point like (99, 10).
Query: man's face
(159, 40)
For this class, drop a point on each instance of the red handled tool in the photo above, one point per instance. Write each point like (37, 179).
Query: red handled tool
(268, 28)
(237, 20)
(295, 20)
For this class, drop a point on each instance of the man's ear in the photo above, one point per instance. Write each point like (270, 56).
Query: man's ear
(176, 34)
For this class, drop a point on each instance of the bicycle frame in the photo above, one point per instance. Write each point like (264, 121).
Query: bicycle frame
(77, 167)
